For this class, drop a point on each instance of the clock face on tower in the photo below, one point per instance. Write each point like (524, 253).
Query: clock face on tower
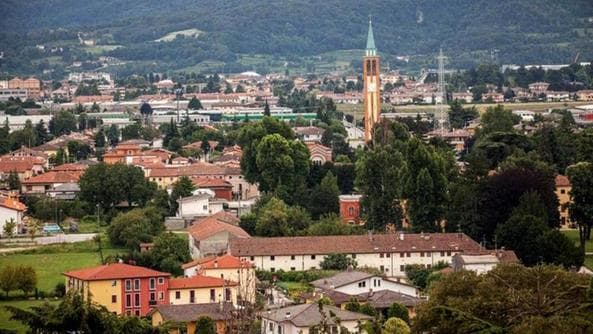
(371, 87)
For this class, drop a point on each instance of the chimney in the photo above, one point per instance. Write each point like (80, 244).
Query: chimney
(401, 236)
(350, 268)
(370, 233)
(287, 315)
(215, 263)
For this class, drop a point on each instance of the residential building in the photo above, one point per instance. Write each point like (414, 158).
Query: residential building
(353, 282)
(46, 182)
(299, 319)
(493, 97)
(202, 289)
(8, 93)
(183, 318)
(11, 209)
(211, 236)
(538, 88)
(456, 138)
(465, 97)
(562, 191)
(389, 253)
(196, 206)
(350, 208)
(32, 85)
(121, 288)
(25, 167)
(309, 133)
(557, 95)
(227, 267)
(584, 95)
(482, 262)
(222, 189)
(319, 154)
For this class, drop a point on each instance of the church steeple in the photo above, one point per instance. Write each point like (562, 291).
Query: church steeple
(371, 50)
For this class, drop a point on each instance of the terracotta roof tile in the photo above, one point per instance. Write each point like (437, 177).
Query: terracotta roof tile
(114, 271)
(198, 282)
(226, 261)
(379, 243)
(12, 203)
(562, 181)
(54, 177)
(221, 221)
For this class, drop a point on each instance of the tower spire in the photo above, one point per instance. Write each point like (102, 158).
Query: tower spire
(371, 50)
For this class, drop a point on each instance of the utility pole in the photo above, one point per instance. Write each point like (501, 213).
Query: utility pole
(442, 118)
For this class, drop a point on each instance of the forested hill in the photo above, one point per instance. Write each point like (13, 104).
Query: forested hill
(523, 31)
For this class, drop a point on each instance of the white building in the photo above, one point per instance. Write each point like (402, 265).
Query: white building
(211, 236)
(389, 253)
(357, 282)
(299, 319)
(11, 209)
(482, 263)
(201, 204)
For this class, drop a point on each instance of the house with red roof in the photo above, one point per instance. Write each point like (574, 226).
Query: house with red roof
(202, 289)
(121, 288)
(46, 182)
(222, 189)
(11, 209)
(211, 235)
(25, 166)
(228, 267)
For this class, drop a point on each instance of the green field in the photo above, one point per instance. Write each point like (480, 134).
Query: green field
(7, 324)
(574, 236)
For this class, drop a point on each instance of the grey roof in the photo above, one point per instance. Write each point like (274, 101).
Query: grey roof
(371, 38)
(340, 279)
(385, 298)
(191, 312)
(66, 187)
(307, 315)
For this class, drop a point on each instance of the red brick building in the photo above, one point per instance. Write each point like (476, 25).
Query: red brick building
(350, 208)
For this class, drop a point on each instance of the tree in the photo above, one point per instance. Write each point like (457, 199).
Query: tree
(399, 311)
(581, 195)
(508, 299)
(584, 146)
(64, 122)
(170, 248)
(131, 131)
(378, 176)
(100, 139)
(33, 227)
(194, 104)
(497, 119)
(337, 262)
(146, 110)
(42, 133)
(459, 116)
(9, 228)
(395, 326)
(324, 197)
(8, 279)
(13, 181)
(113, 135)
(267, 109)
(272, 219)
(134, 227)
(26, 278)
(205, 325)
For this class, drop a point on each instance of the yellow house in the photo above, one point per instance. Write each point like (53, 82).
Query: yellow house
(183, 318)
(563, 188)
(228, 267)
(202, 289)
(121, 288)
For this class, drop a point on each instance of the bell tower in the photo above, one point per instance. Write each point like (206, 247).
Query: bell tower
(372, 86)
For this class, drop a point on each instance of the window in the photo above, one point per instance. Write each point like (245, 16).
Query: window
(128, 284)
(128, 312)
(204, 207)
(271, 326)
(137, 300)
(402, 268)
(388, 255)
(252, 258)
(227, 294)
(113, 298)
(292, 257)
(449, 253)
(128, 300)
(562, 191)
(192, 296)
(354, 256)
(381, 255)
(152, 296)
(161, 280)
(292, 268)
(177, 294)
(408, 254)
(279, 329)
(272, 258)
(442, 253)
(152, 283)
(421, 254)
(428, 266)
(351, 211)
(362, 284)
(114, 283)
(137, 313)
(272, 269)
(212, 295)
(136, 284)
(312, 257)
(401, 254)
(382, 268)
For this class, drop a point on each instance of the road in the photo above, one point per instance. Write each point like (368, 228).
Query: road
(54, 239)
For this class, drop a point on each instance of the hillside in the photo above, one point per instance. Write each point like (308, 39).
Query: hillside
(468, 30)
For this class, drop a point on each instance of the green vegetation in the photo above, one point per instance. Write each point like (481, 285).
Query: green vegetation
(7, 324)
(573, 235)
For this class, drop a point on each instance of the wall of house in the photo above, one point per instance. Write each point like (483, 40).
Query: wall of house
(5, 215)
(563, 194)
(479, 268)
(376, 284)
(102, 291)
(245, 277)
(194, 208)
(271, 327)
(202, 295)
(392, 264)
(215, 244)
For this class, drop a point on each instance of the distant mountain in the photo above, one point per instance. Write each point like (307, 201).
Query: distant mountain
(515, 31)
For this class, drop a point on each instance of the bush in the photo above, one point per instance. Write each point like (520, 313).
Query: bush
(397, 310)
(337, 262)
(293, 276)
(60, 290)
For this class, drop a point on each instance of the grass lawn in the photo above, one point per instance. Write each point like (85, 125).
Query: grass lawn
(574, 235)
(294, 288)
(589, 262)
(7, 324)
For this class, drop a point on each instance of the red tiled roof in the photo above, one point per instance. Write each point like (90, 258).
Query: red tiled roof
(114, 271)
(562, 181)
(70, 167)
(218, 222)
(198, 282)
(379, 243)
(226, 261)
(200, 168)
(204, 182)
(19, 164)
(12, 203)
(54, 177)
